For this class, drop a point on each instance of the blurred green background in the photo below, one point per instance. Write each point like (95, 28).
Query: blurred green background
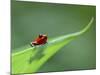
(29, 19)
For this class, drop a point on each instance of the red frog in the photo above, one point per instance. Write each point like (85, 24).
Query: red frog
(40, 40)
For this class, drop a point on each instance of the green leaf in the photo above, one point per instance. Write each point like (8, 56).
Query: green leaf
(30, 60)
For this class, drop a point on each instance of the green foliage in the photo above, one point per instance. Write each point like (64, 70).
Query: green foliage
(30, 60)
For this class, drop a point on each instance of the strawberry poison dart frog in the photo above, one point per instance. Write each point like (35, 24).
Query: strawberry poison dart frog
(40, 40)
